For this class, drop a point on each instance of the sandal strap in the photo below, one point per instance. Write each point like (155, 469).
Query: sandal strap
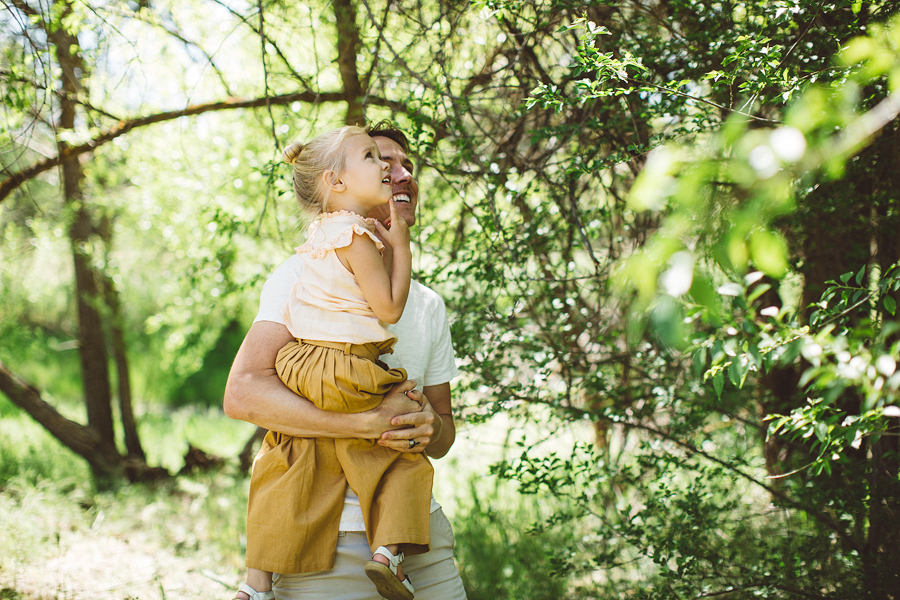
(393, 560)
(254, 595)
(408, 585)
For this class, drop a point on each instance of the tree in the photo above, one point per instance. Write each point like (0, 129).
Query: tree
(94, 293)
(549, 150)
(54, 55)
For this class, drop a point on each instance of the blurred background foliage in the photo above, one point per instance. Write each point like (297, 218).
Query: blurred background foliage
(666, 232)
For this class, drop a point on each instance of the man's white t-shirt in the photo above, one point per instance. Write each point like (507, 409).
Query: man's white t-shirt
(423, 346)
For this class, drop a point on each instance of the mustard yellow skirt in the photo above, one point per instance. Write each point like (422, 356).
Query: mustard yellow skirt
(298, 484)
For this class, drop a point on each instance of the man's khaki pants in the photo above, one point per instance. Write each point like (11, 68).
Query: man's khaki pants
(434, 575)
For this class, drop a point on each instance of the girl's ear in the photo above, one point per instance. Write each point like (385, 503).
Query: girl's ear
(333, 181)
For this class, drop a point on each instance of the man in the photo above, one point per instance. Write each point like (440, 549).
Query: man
(255, 393)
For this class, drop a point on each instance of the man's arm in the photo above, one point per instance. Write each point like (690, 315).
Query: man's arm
(440, 400)
(256, 394)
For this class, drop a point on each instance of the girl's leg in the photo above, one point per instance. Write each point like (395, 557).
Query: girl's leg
(395, 550)
(261, 581)
(386, 572)
(258, 586)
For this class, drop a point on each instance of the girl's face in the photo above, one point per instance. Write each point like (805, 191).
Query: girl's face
(365, 176)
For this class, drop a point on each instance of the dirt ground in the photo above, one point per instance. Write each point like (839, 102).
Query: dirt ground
(138, 544)
(103, 567)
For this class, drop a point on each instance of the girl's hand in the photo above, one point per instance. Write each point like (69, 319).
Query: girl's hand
(396, 235)
(397, 402)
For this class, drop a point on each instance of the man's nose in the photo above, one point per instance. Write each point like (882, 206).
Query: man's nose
(399, 173)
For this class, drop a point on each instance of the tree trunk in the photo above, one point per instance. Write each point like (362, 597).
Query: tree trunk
(887, 222)
(123, 378)
(348, 45)
(120, 351)
(882, 551)
(89, 299)
(108, 466)
(846, 225)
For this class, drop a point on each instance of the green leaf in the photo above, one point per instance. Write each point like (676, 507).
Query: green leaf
(890, 305)
(719, 383)
(792, 351)
(755, 356)
(832, 393)
(699, 362)
(737, 372)
(769, 252)
(758, 291)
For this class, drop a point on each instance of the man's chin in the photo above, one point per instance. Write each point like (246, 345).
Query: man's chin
(407, 213)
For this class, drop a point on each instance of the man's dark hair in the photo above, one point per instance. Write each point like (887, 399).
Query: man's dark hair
(385, 128)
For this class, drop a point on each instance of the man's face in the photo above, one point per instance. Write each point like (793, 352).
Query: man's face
(405, 190)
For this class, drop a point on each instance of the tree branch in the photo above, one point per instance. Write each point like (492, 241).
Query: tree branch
(15, 180)
(81, 439)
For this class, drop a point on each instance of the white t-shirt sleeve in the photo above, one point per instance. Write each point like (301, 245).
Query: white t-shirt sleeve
(277, 289)
(442, 366)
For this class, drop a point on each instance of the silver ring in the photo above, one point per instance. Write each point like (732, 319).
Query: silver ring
(413, 444)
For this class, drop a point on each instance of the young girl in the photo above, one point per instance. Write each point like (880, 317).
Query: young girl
(337, 313)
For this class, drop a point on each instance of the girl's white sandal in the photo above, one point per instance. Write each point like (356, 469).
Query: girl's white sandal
(385, 577)
(254, 595)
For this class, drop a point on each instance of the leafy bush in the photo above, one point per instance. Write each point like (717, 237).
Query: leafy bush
(502, 550)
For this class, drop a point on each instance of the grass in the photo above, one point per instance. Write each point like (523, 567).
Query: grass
(185, 538)
(178, 540)
(62, 539)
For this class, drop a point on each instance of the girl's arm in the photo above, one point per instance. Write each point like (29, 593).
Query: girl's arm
(385, 292)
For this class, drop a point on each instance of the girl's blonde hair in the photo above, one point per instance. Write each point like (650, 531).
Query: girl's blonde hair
(310, 161)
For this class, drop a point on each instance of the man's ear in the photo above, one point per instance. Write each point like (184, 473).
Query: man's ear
(333, 181)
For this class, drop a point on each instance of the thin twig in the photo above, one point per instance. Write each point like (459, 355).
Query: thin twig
(701, 100)
(262, 41)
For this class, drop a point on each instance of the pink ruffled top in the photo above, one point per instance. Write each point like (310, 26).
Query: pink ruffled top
(326, 303)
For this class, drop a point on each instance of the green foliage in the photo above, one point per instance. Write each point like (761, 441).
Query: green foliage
(717, 258)
(850, 349)
(207, 385)
(707, 253)
(499, 557)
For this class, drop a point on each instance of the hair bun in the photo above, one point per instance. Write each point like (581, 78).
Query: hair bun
(290, 154)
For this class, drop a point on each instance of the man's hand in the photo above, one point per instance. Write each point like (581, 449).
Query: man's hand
(412, 431)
